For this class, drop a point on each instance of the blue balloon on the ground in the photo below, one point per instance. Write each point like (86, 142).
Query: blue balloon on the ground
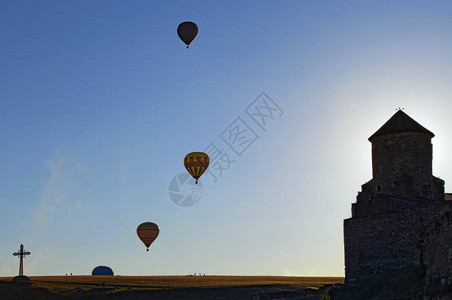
(102, 270)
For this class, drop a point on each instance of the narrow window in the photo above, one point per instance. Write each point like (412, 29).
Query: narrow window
(378, 187)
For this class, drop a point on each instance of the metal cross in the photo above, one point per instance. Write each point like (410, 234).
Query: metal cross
(21, 253)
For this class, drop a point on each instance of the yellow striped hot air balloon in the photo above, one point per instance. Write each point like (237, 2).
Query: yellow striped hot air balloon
(148, 232)
(196, 163)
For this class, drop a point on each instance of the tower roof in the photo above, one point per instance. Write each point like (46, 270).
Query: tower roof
(400, 122)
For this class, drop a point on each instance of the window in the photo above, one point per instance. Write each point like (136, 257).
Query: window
(378, 187)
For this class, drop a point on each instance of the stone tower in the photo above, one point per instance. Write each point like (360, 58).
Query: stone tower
(402, 160)
(384, 232)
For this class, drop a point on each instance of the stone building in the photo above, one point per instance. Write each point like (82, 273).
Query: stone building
(401, 218)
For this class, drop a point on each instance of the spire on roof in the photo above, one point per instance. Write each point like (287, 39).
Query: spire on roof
(400, 122)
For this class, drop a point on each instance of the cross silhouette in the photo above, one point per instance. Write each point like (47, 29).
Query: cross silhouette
(21, 253)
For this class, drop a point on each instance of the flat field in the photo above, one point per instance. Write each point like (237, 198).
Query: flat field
(160, 287)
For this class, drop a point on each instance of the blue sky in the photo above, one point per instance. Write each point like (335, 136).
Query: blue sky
(100, 101)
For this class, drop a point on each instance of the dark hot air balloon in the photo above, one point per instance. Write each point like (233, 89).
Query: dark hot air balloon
(187, 32)
(148, 232)
(196, 163)
(102, 270)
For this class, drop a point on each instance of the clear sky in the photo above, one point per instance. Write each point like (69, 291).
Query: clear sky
(100, 101)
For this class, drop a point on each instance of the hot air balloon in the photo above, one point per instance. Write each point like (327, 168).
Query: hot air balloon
(148, 232)
(187, 32)
(196, 163)
(103, 271)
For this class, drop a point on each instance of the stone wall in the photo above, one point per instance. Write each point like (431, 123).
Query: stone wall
(437, 249)
(409, 152)
(380, 243)
(385, 233)
(402, 166)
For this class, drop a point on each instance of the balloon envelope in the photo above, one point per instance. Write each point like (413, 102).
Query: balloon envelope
(187, 31)
(102, 270)
(196, 163)
(148, 232)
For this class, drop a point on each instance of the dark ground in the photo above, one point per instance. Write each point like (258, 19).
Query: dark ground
(13, 291)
